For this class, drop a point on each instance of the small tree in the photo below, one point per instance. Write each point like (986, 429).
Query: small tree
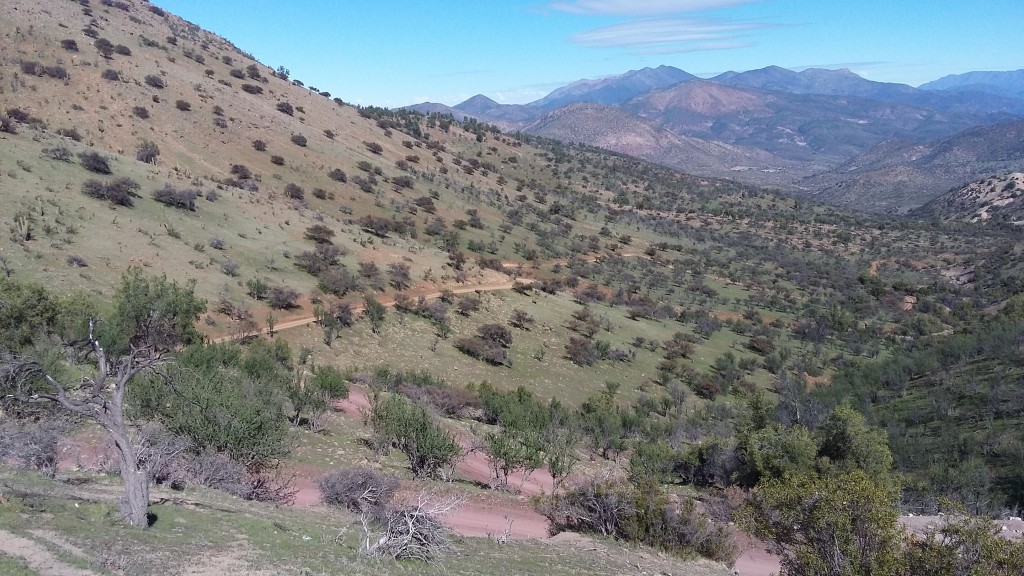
(147, 152)
(509, 452)
(375, 312)
(398, 422)
(400, 275)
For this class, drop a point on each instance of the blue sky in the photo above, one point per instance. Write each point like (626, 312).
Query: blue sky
(391, 53)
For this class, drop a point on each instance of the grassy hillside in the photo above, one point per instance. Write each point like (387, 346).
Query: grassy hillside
(643, 306)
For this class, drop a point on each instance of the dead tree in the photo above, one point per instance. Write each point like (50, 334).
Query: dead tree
(411, 532)
(99, 398)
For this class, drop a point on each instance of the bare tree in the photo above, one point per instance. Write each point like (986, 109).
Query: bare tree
(152, 317)
(99, 398)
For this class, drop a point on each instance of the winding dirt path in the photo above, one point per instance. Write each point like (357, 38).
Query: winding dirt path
(482, 514)
(388, 301)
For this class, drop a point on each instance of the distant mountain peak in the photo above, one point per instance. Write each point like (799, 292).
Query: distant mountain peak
(616, 89)
(476, 102)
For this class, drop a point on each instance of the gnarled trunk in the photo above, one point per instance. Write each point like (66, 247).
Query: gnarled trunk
(134, 505)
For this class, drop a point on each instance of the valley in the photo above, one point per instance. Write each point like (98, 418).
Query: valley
(620, 329)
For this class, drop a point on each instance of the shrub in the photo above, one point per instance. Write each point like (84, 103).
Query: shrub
(229, 267)
(120, 191)
(299, 140)
(521, 319)
(8, 125)
(357, 489)
(60, 154)
(155, 81)
(338, 175)
(69, 45)
(319, 233)
(582, 351)
(140, 112)
(32, 445)
(183, 105)
(613, 507)
(259, 145)
(94, 162)
(277, 160)
(147, 152)
(282, 297)
(111, 74)
(252, 89)
(122, 50)
(253, 71)
(31, 68)
(373, 147)
(285, 108)
(241, 171)
(184, 199)
(71, 133)
(294, 191)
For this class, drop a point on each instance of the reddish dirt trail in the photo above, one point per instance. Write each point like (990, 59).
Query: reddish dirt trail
(389, 302)
(483, 514)
(754, 561)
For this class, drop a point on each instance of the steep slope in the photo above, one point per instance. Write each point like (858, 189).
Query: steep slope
(900, 175)
(995, 200)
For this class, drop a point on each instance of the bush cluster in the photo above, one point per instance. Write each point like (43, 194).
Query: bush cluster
(171, 196)
(121, 191)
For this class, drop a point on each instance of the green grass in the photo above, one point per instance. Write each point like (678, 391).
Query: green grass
(203, 529)
(11, 566)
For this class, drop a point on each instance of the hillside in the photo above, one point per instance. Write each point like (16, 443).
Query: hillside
(501, 321)
(903, 175)
(612, 129)
(991, 201)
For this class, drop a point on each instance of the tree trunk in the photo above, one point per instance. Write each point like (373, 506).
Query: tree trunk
(134, 505)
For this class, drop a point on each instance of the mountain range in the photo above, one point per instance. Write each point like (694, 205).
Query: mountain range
(830, 134)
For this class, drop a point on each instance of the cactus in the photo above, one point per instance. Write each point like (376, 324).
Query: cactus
(22, 227)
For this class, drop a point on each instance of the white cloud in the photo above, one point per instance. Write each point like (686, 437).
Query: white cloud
(643, 7)
(669, 33)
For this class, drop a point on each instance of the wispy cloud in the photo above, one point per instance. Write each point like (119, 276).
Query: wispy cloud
(643, 7)
(670, 35)
(837, 65)
(701, 47)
